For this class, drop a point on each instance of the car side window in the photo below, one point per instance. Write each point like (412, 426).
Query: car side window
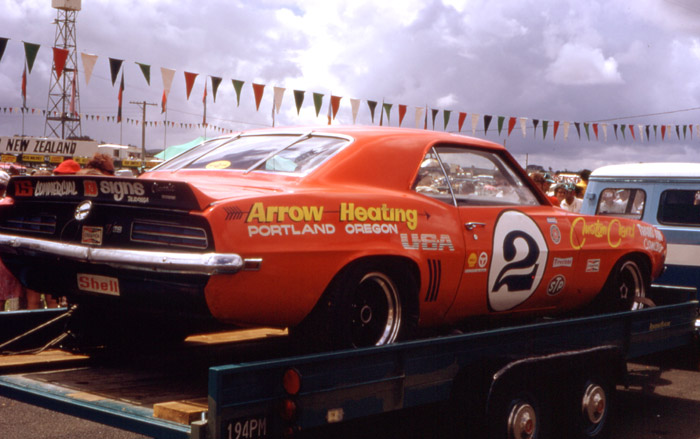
(679, 207)
(471, 177)
(622, 202)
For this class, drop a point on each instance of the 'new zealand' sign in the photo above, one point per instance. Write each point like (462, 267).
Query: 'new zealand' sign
(46, 146)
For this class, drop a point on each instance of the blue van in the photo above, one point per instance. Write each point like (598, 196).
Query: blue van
(666, 195)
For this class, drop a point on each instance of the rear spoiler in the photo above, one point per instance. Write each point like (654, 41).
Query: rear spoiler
(107, 190)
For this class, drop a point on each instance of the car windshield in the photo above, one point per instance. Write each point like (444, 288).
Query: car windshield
(272, 153)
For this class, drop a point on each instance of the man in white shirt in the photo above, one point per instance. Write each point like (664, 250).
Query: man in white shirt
(570, 202)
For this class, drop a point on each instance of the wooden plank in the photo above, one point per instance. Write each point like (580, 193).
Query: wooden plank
(182, 412)
(52, 356)
(234, 336)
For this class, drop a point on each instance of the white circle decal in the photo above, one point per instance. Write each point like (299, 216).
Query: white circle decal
(518, 260)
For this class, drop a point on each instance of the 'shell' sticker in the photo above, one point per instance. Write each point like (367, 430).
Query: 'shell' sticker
(98, 284)
(91, 235)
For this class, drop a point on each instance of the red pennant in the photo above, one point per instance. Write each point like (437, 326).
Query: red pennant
(462, 117)
(335, 103)
(663, 132)
(632, 131)
(59, 60)
(163, 102)
(402, 113)
(556, 128)
(258, 92)
(511, 124)
(189, 82)
(595, 130)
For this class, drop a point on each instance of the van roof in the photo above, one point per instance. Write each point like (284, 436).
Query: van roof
(649, 170)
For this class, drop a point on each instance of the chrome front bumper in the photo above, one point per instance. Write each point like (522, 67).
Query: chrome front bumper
(141, 260)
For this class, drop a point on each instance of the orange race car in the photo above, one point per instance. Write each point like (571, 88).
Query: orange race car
(351, 236)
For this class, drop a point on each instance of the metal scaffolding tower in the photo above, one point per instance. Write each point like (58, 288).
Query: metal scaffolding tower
(63, 107)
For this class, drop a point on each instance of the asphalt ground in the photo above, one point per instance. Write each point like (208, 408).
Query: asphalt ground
(661, 402)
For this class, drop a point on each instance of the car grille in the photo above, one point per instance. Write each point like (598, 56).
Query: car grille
(168, 234)
(39, 223)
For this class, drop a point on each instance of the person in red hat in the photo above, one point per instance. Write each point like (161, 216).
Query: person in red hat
(66, 167)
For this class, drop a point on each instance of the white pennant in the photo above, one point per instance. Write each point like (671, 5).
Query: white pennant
(475, 120)
(88, 64)
(523, 126)
(567, 125)
(355, 106)
(605, 131)
(167, 75)
(419, 117)
(279, 94)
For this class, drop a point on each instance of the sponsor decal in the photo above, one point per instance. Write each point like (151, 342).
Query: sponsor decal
(659, 325)
(475, 270)
(24, 188)
(98, 284)
(55, 189)
(483, 259)
(650, 232)
(219, 164)
(593, 266)
(261, 214)
(426, 241)
(371, 229)
(518, 260)
(551, 220)
(133, 191)
(471, 260)
(653, 246)
(349, 212)
(563, 262)
(555, 234)
(90, 188)
(91, 235)
(556, 285)
(291, 230)
(614, 232)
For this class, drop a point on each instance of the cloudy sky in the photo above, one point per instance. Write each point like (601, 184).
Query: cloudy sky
(607, 62)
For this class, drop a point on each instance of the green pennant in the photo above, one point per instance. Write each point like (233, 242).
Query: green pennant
(387, 110)
(30, 51)
(585, 127)
(215, 82)
(372, 106)
(500, 124)
(655, 132)
(318, 102)
(299, 99)
(545, 124)
(622, 128)
(446, 118)
(3, 44)
(146, 70)
(238, 86)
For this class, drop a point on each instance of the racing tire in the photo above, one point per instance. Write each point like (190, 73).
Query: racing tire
(517, 413)
(591, 409)
(367, 304)
(626, 289)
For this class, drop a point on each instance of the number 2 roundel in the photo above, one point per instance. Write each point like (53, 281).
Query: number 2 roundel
(518, 261)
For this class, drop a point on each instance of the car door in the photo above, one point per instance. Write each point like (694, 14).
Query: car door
(519, 256)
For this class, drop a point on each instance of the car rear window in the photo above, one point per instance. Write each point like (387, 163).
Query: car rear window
(622, 202)
(271, 153)
(679, 207)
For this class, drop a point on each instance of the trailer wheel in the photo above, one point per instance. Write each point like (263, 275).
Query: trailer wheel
(368, 304)
(518, 415)
(591, 412)
(626, 289)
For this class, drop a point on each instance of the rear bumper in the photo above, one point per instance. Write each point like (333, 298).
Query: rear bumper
(139, 260)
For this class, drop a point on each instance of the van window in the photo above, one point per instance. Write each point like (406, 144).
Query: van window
(622, 202)
(679, 207)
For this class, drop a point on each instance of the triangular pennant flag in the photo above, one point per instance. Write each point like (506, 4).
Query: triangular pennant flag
(615, 130)
(511, 124)
(419, 116)
(641, 132)
(632, 132)
(189, 82)
(277, 98)
(318, 102)
(446, 117)
(238, 86)
(487, 122)
(114, 66)
(59, 60)
(535, 122)
(567, 126)
(164, 102)
(298, 99)
(578, 129)
(434, 114)
(88, 64)
(545, 124)
(372, 106)
(588, 134)
(387, 109)
(501, 119)
(258, 90)
(656, 133)
(24, 87)
(678, 134)
(460, 121)
(30, 51)
(523, 126)
(475, 121)
(335, 104)
(145, 69)
(622, 128)
(605, 131)
(595, 130)
(3, 44)
(119, 97)
(685, 127)
(402, 113)
(215, 82)
(355, 106)
(556, 128)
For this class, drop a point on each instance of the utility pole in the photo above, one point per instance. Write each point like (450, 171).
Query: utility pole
(143, 106)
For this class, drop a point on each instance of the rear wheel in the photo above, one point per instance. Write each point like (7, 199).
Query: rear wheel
(627, 288)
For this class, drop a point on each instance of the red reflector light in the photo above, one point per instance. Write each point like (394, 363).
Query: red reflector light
(289, 410)
(291, 381)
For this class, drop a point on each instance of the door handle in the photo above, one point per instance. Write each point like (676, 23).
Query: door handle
(472, 225)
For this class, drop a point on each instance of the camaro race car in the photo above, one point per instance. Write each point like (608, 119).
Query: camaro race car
(353, 236)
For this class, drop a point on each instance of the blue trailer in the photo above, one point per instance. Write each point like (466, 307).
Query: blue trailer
(552, 378)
